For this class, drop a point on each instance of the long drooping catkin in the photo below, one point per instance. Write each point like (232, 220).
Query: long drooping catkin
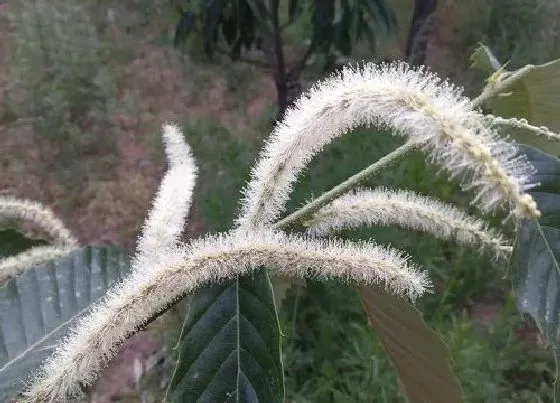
(405, 209)
(95, 338)
(166, 220)
(411, 102)
(39, 215)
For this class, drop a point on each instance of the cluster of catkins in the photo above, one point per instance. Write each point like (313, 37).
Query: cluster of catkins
(413, 103)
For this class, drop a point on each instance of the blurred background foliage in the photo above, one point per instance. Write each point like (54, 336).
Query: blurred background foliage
(86, 86)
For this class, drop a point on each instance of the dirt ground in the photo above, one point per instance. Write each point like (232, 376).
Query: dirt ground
(111, 211)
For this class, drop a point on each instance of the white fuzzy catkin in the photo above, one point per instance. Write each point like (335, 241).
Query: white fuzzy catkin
(40, 215)
(95, 338)
(412, 102)
(15, 265)
(166, 220)
(408, 210)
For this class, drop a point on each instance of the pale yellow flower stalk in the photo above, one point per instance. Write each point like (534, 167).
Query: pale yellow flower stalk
(166, 220)
(15, 265)
(38, 214)
(96, 337)
(406, 209)
(541, 131)
(411, 102)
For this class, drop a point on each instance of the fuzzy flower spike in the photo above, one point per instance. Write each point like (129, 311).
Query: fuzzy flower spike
(163, 272)
(168, 216)
(42, 217)
(38, 214)
(96, 337)
(407, 210)
(413, 103)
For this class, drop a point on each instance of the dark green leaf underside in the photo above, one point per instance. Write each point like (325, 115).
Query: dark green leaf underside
(535, 262)
(536, 277)
(229, 349)
(37, 307)
(420, 357)
(13, 242)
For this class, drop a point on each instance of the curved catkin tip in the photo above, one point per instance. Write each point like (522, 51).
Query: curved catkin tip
(15, 265)
(413, 103)
(177, 150)
(40, 215)
(94, 340)
(167, 219)
(405, 209)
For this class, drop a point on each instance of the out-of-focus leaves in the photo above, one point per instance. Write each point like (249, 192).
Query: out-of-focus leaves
(322, 20)
(294, 9)
(281, 284)
(337, 25)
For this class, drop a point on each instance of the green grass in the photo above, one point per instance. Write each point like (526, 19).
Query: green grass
(332, 356)
(224, 164)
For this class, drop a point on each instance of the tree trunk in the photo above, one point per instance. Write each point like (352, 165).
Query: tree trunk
(281, 94)
(280, 66)
(417, 40)
(288, 92)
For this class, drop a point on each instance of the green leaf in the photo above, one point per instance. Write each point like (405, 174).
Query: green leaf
(229, 350)
(37, 307)
(535, 263)
(13, 242)
(536, 98)
(422, 360)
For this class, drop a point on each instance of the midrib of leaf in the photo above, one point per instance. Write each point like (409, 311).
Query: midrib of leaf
(244, 304)
(548, 248)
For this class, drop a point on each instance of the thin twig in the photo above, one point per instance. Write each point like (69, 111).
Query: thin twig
(495, 87)
(345, 186)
